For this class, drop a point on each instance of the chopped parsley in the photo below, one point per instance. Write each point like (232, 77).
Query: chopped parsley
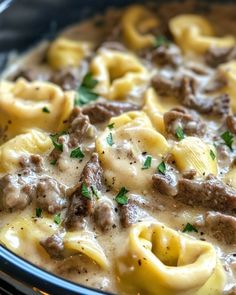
(110, 139)
(228, 138)
(148, 162)
(54, 138)
(45, 110)
(161, 40)
(57, 218)
(85, 191)
(111, 126)
(53, 162)
(212, 154)
(162, 168)
(179, 133)
(121, 197)
(189, 228)
(77, 153)
(94, 191)
(85, 92)
(38, 212)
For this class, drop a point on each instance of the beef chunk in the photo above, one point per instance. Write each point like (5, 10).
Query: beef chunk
(17, 190)
(53, 245)
(221, 226)
(167, 55)
(165, 86)
(104, 216)
(221, 105)
(32, 162)
(131, 213)
(165, 184)
(216, 56)
(210, 193)
(102, 111)
(81, 206)
(50, 195)
(231, 123)
(178, 117)
(189, 174)
(78, 126)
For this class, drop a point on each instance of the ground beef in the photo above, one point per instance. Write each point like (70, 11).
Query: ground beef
(230, 121)
(53, 245)
(216, 55)
(79, 205)
(131, 213)
(50, 195)
(102, 111)
(221, 105)
(166, 55)
(17, 190)
(165, 86)
(32, 162)
(78, 127)
(221, 226)
(209, 193)
(165, 184)
(104, 216)
(179, 117)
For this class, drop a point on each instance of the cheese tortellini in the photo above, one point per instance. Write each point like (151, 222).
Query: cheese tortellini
(65, 53)
(193, 153)
(160, 261)
(23, 233)
(118, 74)
(195, 33)
(132, 135)
(32, 142)
(25, 105)
(136, 21)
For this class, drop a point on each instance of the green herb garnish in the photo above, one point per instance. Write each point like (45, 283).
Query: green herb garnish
(111, 126)
(162, 168)
(228, 138)
(45, 110)
(148, 162)
(121, 197)
(84, 92)
(212, 154)
(179, 133)
(38, 212)
(189, 228)
(77, 153)
(94, 191)
(110, 139)
(161, 40)
(85, 192)
(53, 162)
(57, 218)
(54, 138)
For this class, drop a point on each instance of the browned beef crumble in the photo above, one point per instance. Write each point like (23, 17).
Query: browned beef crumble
(104, 216)
(32, 162)
(221, 226)
(165, 184)
(216, 55)
(221, 105)
(54, 246)
(210, 193)
(102, 111)
(165, 55)
(230, 121)
(79, 205)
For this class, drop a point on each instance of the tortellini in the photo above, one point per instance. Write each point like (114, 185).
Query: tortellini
(65, 53)
(136, 21)
(230, 177)
(23, 233)
(160, 261)
(193, 153)
(118, 74)
(195, 33)
(32, 142)
(155, 108)
(25, 105)
(132, 137)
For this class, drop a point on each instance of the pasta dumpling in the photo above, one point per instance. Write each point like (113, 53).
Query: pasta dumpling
(158, 260)
(33, 105)
(193, 153)
(230, 177)
(125, 145)
(32, 142)
(195, 33)
(65, 53)
(136, 21)
(118, 74)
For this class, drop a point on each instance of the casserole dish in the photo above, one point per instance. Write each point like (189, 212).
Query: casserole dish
(178, 158)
